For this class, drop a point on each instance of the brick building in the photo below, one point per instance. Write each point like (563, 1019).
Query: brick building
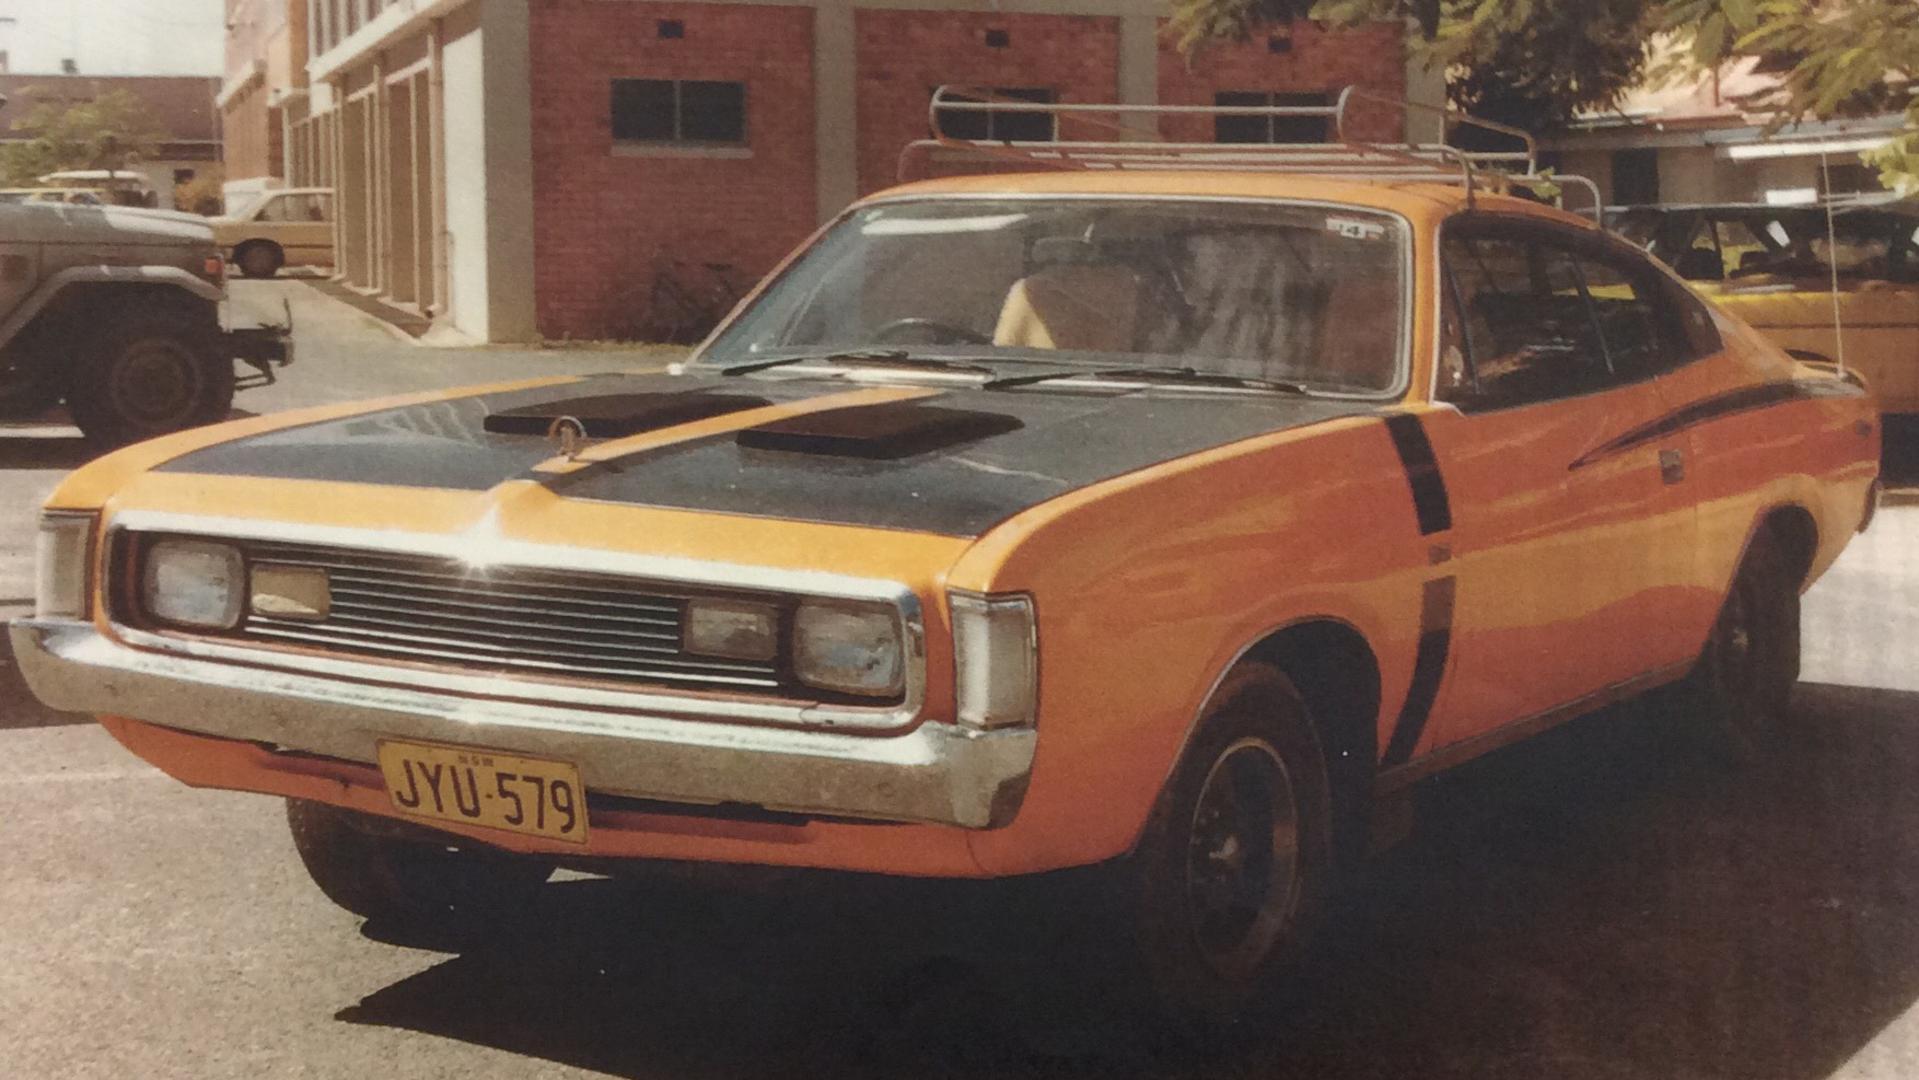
(517, 168)
(264, 93)
(181, 107)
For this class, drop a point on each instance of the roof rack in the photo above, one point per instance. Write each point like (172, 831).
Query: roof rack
(1134, 142)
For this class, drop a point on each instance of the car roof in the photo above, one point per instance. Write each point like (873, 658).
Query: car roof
(1421, 201)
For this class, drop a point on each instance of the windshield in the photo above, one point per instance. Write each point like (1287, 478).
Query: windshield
(1269, 291)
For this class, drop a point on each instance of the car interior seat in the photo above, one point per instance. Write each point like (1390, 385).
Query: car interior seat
(1074, 299)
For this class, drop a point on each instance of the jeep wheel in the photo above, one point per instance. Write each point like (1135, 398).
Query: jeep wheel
(392, 880)
(259, 260)
(153, 370)
(1234, 863)
(1743, 682)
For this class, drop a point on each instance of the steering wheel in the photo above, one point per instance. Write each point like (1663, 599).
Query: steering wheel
(928, 332)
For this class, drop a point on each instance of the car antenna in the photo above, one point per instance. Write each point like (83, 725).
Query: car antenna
(1832, 263)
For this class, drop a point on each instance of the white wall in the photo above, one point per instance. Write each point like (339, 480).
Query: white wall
(465, 154)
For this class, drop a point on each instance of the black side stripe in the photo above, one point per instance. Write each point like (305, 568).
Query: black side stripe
(1422, 472)
(1705, 410)
(1429, 669)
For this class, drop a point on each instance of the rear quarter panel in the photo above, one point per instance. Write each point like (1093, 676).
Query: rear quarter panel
(1816, 449)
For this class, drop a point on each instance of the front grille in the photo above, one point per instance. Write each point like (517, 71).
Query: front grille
(431, 609)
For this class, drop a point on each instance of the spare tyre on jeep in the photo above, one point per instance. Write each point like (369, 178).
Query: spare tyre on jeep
(117, 312)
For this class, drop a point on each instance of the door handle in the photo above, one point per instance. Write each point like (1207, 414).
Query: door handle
(1672, 466)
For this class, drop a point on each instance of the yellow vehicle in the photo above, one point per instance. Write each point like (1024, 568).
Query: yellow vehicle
(1774, 268)
(1165, 519)
(292, 227)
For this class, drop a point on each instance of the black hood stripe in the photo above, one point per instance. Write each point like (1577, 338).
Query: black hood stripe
(1022, 448)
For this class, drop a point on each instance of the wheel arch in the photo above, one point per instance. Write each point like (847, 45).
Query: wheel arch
(1795, 530)
(1334, 668)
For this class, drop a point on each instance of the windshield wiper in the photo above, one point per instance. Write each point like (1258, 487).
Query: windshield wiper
(891, 358)
(1188, 375)
(849, 356)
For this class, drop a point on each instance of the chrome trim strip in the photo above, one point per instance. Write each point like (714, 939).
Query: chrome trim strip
(486, 550)
(937, 773)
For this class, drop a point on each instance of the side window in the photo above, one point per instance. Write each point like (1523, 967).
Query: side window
(1529, 333)
(277, 209)
(1636, 328)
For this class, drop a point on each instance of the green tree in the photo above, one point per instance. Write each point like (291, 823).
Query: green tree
(1538, 63)
(112, 131)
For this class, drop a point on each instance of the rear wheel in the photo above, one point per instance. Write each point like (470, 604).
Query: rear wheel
(148, 371)
(1743, 683)
(1234, 864)
(388, 879)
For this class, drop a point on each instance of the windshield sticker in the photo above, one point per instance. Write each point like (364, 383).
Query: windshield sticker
(1355, 229)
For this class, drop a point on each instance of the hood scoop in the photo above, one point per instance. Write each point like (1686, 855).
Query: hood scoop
(616, 416)
(877, 432)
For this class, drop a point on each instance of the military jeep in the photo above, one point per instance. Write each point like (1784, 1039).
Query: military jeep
(117, 312)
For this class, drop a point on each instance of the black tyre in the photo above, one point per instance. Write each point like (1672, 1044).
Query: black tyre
(1742, 686)
(147, 370)
(1233, 867)
(388, 879)
(259, 259)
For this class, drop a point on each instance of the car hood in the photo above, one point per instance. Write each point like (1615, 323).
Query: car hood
(60, 223)
(918, 458)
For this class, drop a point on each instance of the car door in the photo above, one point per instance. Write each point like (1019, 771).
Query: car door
(1571, 528)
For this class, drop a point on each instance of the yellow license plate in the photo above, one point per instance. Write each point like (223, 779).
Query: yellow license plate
(533, 796)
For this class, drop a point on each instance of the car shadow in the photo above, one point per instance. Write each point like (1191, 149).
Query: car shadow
(1607, 900)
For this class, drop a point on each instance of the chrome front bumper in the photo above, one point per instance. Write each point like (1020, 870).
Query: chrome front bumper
(937, 773)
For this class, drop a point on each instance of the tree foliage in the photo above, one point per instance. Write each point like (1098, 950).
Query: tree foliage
(112, 131)
(1538, 63)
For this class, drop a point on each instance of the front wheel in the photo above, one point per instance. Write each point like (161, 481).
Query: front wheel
(1235, 862)
(149, 371)
(392, 880)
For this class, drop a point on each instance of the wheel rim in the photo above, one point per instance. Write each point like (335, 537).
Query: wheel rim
(156, 383)
(1242, 864)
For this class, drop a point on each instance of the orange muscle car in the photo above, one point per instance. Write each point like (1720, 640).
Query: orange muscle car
(1166, 520)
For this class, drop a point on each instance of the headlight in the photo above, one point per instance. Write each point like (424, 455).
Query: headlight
(849, 647)
(60, 566)
(995, 660)
(732, 629)
(194, 583)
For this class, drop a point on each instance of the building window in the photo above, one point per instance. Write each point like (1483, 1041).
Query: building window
(1635, 177)
(679, 111)
(1001, 126)
(1271, 129)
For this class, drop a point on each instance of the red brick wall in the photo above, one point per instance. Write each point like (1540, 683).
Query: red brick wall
(903, 55)
(600, 219)
(1371, 57)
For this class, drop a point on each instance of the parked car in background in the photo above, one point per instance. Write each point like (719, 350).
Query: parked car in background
(116, 187)
(293, 227)
(1171, 522)
(1773, 266)
(70, 196)
(117, 312)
